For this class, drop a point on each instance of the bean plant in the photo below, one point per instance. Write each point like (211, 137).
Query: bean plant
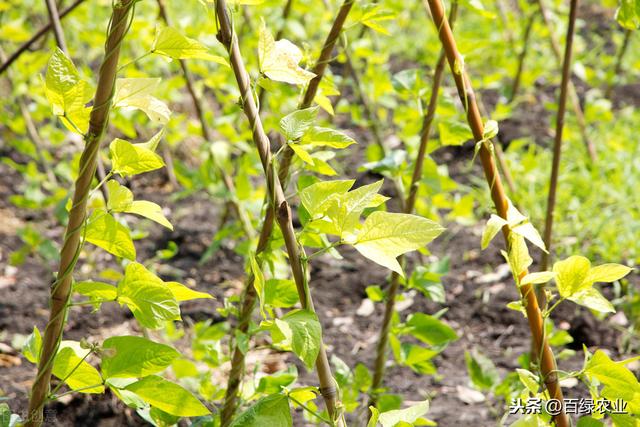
(322, 134)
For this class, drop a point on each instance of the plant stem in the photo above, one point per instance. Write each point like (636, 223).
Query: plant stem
(575, 102)
(52, 8)
(557, 146)
(61, 288)
(467, 97)
(44, 30)
(228, 38)
(521, 57)
(618, 68)
(409, 204)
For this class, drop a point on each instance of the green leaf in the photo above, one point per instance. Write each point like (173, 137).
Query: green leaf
(272, 411)
(375, 415)
(105, 232)
(120, 197)
(294, 125)
(518, 257)
(131, 159)
(490, 129)
(537, 278)
(521, 225)
(628, 14)
(407, 415)
(327, 137)
(344, 210)
(258, 283)
(618, 381)
(571, 275)
(67, 93)
(76, 373)
(170, 42)
(302, 153)
(453, 132)
(607, 273)
(279, 59)
(373, 17)
(96, 291)
(147, 296)
(481, 369)
(135, 357)
(182, 293)
(280, 293)
(494, 225)
(430, 330)
(32, 346)
(384, 236)
(589, 422)
(301, 329)
(135, 93)
(61, 75)
(529, 379)
(316, 197)
(168, 397)
(593, 299)
(149, 210)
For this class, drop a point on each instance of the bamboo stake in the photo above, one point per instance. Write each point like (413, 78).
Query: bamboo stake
(52, 8)
(61, 288)
(41, 32)
(297, 256)
(249, 293)
(227, 179)
(557, 145)
(409, 205)
(573, 95)
(618, 68)
(521, 57)
(467, 97)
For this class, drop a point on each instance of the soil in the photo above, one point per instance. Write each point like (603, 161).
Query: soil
(478, 287)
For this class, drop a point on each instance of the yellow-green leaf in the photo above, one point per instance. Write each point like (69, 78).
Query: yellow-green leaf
(593, 299)
(131, 159)
(170, 42)
(494, 225)
(149, 210)
(104, 231)
(135, 93)
(385, 236)
(302, 153)
(537, 278)
(182, 293)
(518, 256)
(279, 59)
(571, 275)
(168, 397)
(120, 197)
(608, 273)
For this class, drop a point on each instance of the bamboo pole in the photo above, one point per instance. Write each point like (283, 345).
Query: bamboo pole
(54, 17)
(408, 207)
(521, 57)
(278, 202)
(61, 288)
(467, 97)
(249, 293)
(573, 95)
(618, 67)
(557, 145)
(41, 32)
